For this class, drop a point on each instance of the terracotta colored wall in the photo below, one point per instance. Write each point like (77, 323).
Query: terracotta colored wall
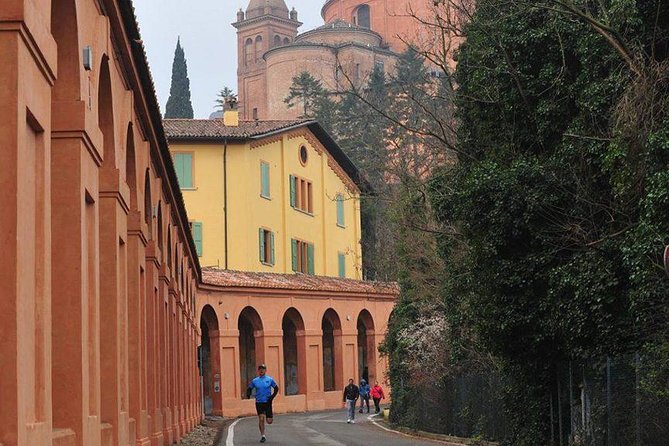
(321, 62)
(268, 308)
(98, 328)
(390, 18)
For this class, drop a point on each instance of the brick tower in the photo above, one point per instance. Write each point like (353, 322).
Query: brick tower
(266, 24)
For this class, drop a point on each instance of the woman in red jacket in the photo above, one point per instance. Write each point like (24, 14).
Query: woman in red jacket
(377, 396)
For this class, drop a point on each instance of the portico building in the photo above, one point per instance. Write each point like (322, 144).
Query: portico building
(313, 333)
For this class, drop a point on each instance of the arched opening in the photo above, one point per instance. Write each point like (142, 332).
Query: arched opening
(366, 347)
(106, 115)
(147, 202)
(209, 362)
(159, 223)
(65, 32)
(131, 166)
(169, 248)
(286, 41)
(250, 346)
(277, 40)
(332, 351)
(362, 16)
(259, 50)
(294, 353)
(248, 52)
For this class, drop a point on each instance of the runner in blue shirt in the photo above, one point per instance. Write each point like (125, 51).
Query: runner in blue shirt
(266, 390)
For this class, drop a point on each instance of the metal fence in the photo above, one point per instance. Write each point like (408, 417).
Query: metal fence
(612, 402)
(606, 402)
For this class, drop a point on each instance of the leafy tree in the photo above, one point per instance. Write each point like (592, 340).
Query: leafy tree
(179, 104)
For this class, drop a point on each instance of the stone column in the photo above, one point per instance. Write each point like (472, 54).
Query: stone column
(136, 328)
(313, 373)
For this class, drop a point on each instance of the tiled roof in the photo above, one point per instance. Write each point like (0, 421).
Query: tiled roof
(214, 128)
(245, 279)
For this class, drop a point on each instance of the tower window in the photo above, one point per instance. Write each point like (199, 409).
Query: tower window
(361, 17)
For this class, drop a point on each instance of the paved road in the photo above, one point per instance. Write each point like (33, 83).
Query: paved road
(319, 429)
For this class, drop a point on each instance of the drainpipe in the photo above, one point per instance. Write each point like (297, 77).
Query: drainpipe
(225, 196)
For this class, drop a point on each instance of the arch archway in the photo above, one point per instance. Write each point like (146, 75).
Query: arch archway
(131, 166)
(259, 48)
(147, 202)
(159, 224)
(210, 364)
(250, 346)
(366, 347)
(294, 353)
(362, 16)
(106, 115)
(332, 351)
(277, 40)
(65, 31)
(248, 52)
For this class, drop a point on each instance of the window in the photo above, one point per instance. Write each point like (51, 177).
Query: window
(301, 194)
(264, 179)
(340, 210)
(196, 230)
(259, 50)
(277, 40)
(183, 164)
(304, 155)
(342, 264)
(362, 16)
(248, 52)
(266, 243)
(303, 256)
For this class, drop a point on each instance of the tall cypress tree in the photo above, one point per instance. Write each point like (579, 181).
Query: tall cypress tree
(179, 105)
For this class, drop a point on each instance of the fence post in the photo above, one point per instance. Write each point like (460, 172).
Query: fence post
(609, 424)
(561, 430)
(571, 403)
(637, 390)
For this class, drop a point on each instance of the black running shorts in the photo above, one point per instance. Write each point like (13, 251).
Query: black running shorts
(264, 409)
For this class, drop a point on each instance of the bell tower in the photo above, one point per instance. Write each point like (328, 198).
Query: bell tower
(266, 24)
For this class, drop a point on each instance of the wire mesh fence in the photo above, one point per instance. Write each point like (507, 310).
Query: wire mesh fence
(597, 402)
(609, 402)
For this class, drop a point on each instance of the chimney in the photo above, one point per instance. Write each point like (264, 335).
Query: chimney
(230, 113)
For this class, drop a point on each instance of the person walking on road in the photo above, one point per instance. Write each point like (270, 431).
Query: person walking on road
(351, 394)
(364, 395)
(377, 396)
(266, 389)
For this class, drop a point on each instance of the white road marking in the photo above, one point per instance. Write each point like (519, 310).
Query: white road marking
(371, 418)
(230, 439)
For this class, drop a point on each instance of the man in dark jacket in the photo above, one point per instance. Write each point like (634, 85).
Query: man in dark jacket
(351, 393)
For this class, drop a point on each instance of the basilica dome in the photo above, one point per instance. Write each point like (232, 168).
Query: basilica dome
(259, 8)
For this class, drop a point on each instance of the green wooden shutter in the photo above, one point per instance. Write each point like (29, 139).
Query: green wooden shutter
(342, 265)
(310, 258)
(340, 210)
(292, 191)
(261, 243)
(271, 247)
(264, 179)
(197, 237)
(179, 167)
(293, 249)
(183, 164)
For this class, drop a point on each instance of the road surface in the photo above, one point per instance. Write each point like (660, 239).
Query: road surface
(317, 429)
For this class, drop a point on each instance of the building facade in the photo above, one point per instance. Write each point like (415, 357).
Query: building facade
(357, 37)
(269, 196)
(313, 333)
(99, 272)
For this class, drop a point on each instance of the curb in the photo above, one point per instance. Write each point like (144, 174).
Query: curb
(439, 438)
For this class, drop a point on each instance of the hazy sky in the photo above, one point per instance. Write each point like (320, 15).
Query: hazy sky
(209, 41)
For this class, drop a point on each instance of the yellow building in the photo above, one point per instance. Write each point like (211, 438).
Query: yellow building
(268, 196)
